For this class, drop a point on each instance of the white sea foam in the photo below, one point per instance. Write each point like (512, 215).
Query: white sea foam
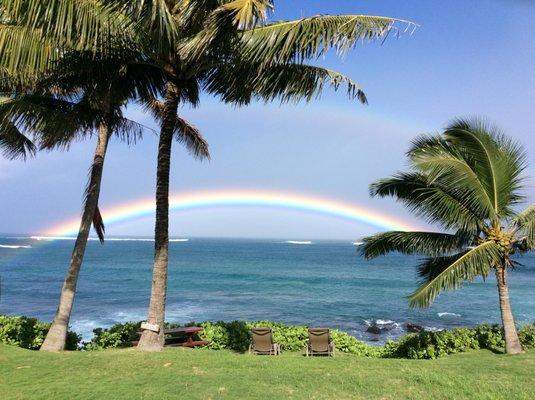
(448, 314)
(51, 238)
(385, 322)
(358, 243)
(8, 246)
(298, 242)
(85, 328)
(432, 329)
(382, 323)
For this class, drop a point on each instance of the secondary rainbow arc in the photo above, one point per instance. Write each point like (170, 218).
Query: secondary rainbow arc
(239, 198)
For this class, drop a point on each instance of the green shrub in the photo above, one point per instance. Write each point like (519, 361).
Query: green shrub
(290, 337)
(233, 336)
(431, 345)
(527, 336)
(117, 336)
(30, 333)
(490, 336)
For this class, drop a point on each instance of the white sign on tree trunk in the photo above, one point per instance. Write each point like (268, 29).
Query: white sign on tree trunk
(150, 327)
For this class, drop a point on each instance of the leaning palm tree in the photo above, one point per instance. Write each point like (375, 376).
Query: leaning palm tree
(469, 181)
(54, 119)
(34, 37)
(83, 96)
(228, 49)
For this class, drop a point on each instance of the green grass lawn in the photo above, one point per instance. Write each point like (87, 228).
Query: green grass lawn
(206, 374)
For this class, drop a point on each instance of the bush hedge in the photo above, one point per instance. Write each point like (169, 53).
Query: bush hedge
(29, 333)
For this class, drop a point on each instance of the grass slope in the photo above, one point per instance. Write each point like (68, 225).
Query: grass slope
(200, 374)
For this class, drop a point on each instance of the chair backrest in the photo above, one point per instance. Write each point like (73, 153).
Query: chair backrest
(319, 339)
(262, 339)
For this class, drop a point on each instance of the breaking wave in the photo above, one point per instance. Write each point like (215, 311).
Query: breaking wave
(448, 314)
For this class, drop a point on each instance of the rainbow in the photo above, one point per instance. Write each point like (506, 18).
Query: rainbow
(243, 198)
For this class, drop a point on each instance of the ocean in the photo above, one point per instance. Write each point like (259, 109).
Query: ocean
(317, 283)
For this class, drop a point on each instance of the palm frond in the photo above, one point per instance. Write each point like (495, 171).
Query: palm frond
(287, 83)
(13, 143)
(247, 13)
(525, 226)
(55, 25)
(497, 160)
(56, 123)
(430, 200)
(23, 51)
(98, 225)
(424, 243)
(192, 139)
(441, 162)
(449, 273)
(157, 20)
(121, 77)
(309, 38)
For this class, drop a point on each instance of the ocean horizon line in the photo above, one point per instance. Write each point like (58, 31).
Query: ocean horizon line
(33, 236)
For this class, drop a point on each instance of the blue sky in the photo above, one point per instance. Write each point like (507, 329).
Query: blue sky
(466, 58)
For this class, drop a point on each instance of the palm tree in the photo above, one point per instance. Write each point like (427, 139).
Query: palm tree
(55, 121)
(198, 44)
(469, 181)
(228, 49)
(34, 36)
(85, 95)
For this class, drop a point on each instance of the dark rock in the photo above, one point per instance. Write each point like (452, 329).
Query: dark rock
(413, 328)
(374, 329)
(381, 327)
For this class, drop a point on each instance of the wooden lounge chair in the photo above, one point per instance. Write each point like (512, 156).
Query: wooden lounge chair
(319, 343)
(262, 342)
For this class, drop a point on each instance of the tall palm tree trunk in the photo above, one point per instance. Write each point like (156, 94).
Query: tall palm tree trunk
(153, 340)
(57, 335)
(512, 343)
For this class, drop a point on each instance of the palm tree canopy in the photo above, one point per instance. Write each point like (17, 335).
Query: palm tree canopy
(83, 91)
(35, 33)
(198, 43)
(468, 180)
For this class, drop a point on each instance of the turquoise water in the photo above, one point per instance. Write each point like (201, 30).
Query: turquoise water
(322, 283)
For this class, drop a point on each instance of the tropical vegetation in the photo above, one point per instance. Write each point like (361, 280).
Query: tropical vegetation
(468, 180)
(235, 336)
(223, 47)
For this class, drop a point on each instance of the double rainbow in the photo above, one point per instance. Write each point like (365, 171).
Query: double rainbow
(243, 198)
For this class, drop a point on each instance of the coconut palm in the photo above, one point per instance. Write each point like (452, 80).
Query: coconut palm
(84, 96)
(469, 181)
(198, 44)
(34, 36)
(228, 49)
